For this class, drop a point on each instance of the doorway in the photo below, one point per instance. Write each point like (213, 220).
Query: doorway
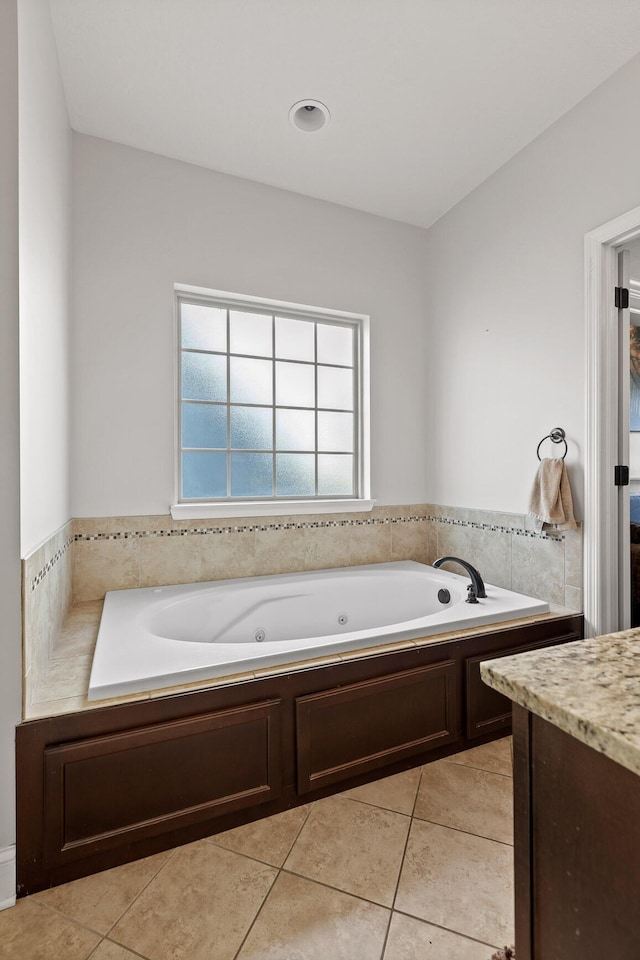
(608, 441)
(628, 480)
(629, 433)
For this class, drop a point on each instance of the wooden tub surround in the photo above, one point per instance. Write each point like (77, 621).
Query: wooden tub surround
(103, 786)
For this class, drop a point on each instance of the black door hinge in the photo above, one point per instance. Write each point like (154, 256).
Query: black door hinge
(621, 299)
(621, 476)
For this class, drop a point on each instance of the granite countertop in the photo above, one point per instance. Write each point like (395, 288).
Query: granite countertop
(588, 688)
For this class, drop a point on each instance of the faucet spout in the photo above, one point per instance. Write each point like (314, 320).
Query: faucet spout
(476, 580)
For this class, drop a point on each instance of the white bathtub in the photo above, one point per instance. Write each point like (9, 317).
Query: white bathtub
(163, 636)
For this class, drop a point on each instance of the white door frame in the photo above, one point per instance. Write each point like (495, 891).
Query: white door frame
(601, 433)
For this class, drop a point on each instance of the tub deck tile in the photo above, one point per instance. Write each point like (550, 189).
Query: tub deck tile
(62, 684)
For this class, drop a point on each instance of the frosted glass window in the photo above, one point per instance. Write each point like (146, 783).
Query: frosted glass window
(335, 344)
(295, 430)
(204, 425)
(335, 388)
(203, 328)
(269, 404)
(335, 475)
(251, 333)
(295, 385)
(295, 474)
(335, 431)
(204, 376)
(295, 339)
(251, 475)
(204, 475)
(251, 428)
(251, 380)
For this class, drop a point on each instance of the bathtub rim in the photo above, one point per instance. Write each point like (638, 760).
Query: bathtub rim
(330, 649)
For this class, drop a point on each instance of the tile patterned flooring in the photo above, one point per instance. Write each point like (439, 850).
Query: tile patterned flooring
(414, 867)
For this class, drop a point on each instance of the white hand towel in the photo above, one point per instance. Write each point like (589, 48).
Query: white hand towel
(551, 503)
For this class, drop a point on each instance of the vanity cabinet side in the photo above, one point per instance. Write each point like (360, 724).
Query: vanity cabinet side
(577, 848)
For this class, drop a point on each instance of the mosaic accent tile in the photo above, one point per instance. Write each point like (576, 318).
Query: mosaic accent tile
(50, 564)
(309, 525)
(497, 528)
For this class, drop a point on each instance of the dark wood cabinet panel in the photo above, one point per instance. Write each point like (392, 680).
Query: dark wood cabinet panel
(113, 784)
(487, 711)
(365, 725)
(577, 845)
(102, 791)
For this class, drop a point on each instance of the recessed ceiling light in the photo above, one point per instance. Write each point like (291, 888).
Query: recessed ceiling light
(309, 115)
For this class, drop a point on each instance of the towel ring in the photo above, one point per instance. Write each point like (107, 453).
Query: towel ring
(557, 435)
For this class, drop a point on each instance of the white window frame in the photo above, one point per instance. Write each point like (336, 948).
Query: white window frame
(277, 506)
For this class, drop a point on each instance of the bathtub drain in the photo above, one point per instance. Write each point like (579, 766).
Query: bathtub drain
(342, 619)
(259, 635)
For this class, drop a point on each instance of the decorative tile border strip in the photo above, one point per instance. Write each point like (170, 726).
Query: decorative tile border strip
(497, 528)
(262, 527)
(50, 564)
(309, 525)
(247, 528)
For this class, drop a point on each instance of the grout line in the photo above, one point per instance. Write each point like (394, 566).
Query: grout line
(137, 897)
(469, 766)
(65, 916)
(413, 916)
(386, 935)
(494, 773)
(347, 893)
(468, 833)
(247, 856)
(267, 863)
(369, 803)
(93, 952)
(415, 799)
(134, 953)
(511, 562)
(303, 825)
(259, 911)
(404, 853)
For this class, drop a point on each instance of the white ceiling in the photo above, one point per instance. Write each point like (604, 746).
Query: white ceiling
(427, 97)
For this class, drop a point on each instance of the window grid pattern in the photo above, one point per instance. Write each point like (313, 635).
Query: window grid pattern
(268, 404)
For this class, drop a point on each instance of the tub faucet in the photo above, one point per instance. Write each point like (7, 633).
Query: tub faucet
(476, 587)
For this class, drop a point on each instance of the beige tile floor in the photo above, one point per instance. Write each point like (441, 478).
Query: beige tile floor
(414, 867)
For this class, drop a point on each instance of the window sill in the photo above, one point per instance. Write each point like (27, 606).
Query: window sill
(270, 508)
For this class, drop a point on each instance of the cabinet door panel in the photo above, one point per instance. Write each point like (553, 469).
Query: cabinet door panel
(487, 711)
(349, 730)
(103, 791)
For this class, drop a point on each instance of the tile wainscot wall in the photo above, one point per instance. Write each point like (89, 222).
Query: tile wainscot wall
(47, 597)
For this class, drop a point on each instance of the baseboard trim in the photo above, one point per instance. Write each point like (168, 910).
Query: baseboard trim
(7, 877)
